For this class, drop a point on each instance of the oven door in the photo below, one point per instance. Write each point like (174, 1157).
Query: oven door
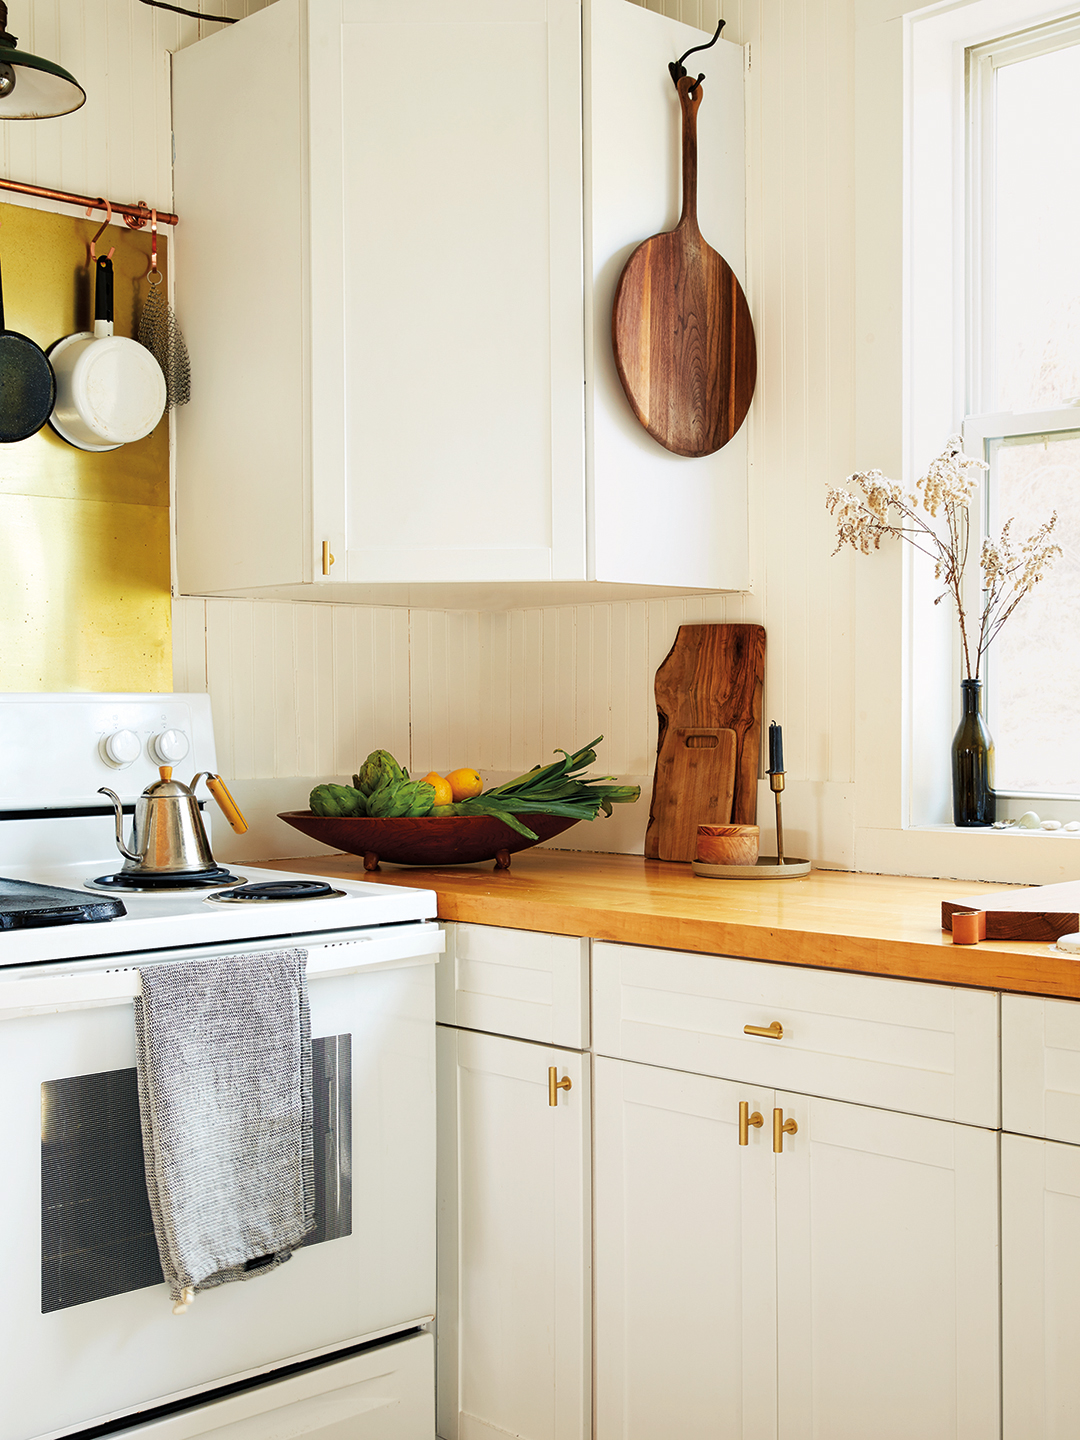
(87, 1331)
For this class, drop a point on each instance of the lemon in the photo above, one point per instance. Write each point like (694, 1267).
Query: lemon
(444, 793)
(465, 784)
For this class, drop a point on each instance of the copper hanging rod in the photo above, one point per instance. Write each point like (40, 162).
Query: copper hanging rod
(135, 215)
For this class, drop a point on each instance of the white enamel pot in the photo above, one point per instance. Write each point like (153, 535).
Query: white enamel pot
(109, 390)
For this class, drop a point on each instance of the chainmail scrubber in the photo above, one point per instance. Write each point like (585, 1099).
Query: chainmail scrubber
(160, 332)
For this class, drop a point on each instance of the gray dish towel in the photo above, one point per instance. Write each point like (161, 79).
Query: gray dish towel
(225, 1098)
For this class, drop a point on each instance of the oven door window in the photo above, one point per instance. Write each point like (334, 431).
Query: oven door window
(97, 1237)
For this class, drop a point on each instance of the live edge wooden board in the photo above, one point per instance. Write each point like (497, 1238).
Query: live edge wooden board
(873, 924)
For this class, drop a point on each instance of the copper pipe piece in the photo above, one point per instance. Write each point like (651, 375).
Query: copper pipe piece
(135, 215)
(968, 927)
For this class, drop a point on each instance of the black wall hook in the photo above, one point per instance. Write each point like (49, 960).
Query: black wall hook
(678, 69)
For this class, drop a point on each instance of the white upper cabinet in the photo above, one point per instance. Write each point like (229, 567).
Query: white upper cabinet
(402, 226)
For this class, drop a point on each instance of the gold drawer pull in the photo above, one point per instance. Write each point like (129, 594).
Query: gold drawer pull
(555, 1084)
(775, 1031)
(780, 1128)
(746, 1120)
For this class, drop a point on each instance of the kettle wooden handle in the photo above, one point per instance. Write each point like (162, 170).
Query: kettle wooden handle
(229, 807)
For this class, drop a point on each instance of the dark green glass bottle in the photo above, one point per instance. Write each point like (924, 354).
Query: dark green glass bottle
(974, 802)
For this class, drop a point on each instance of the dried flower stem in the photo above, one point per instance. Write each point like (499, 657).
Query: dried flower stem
(1010, 571)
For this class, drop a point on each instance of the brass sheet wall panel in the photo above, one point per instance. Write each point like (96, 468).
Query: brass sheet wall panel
(84, 537)
(84, 595)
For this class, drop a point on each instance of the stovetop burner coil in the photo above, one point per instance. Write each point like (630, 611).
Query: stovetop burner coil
(272, 890)
(180, 880)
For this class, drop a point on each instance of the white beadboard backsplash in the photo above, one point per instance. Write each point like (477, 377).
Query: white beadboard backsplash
(302, 691)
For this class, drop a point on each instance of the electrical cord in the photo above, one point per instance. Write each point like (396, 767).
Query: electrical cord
(193, 14)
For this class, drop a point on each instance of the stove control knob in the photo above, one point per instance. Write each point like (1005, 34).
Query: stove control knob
(121, 748)
(170, 747)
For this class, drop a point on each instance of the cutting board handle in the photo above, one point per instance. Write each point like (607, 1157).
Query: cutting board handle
(690, 99)
(699, 739)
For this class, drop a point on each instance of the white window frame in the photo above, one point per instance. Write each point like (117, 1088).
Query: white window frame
(903, 820)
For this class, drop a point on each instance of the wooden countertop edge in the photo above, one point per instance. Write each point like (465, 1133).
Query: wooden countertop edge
(976, 966)
(613, 898)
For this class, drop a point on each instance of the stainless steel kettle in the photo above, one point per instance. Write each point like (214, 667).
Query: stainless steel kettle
(168, 837)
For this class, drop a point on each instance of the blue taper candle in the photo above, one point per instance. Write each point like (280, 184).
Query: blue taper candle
(776, 749)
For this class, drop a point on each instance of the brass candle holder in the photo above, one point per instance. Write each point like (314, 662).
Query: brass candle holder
(776, 784)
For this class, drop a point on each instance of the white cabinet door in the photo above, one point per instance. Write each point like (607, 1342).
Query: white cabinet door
(685, 1275)
(453, 159)
(1040, 1288)
(514, 1254)
(887, 1276)
(1040, 1067)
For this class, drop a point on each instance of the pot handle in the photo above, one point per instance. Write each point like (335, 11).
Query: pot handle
(103, 298)
(227, 804)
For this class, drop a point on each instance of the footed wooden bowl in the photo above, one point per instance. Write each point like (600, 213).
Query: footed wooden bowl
(429, 840)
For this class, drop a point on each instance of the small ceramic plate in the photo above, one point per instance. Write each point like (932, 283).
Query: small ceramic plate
(765, 869)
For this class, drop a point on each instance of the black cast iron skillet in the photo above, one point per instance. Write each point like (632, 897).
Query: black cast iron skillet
(27, 384)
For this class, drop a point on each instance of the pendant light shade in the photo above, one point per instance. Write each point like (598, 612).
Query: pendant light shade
(32, 88)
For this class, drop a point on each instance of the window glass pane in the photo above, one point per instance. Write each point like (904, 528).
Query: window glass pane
(1037, 231)
(1033, 676)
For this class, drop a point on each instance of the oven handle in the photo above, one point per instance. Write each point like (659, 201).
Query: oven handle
(89, 990)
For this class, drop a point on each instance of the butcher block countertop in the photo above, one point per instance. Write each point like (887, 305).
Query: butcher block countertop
(874, 924)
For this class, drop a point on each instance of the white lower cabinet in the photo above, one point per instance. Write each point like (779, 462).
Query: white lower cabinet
(843, 1285)
(1040, 1279)
(887, 1276)
(685, 1258)
(514, 1354)
(845, 1288)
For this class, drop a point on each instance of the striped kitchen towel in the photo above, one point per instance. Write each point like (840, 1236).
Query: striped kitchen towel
(225, 1098)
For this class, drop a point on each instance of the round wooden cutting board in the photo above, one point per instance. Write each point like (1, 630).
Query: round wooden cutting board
(681, 327)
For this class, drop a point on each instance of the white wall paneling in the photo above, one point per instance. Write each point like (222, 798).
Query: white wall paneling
(120, 143)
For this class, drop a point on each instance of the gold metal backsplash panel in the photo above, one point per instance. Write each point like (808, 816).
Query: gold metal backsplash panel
(84, 537)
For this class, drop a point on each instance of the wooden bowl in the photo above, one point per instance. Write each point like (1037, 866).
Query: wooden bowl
(728, 844)
(429, 840)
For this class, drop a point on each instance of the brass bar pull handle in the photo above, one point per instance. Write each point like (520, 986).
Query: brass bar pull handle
(780, 1128)
(746, 1120)
(327, 558)
(775, 1031)
(555, 1084)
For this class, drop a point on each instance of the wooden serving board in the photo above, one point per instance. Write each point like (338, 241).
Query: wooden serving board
(708, 699)
(1037, 912)
(680, 325)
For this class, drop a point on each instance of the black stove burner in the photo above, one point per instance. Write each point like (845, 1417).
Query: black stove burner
(25, 906)
(180, 880)
(280, 890)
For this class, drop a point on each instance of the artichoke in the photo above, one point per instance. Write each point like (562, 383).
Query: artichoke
(379, 769)
(399, 798)
(337, 801)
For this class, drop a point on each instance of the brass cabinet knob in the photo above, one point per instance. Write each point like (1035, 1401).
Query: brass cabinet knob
(746, 1120)
(775, 1031)
(780, 1128)
(555, 1084)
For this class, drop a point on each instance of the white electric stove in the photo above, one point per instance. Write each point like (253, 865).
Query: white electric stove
(88, 1341)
